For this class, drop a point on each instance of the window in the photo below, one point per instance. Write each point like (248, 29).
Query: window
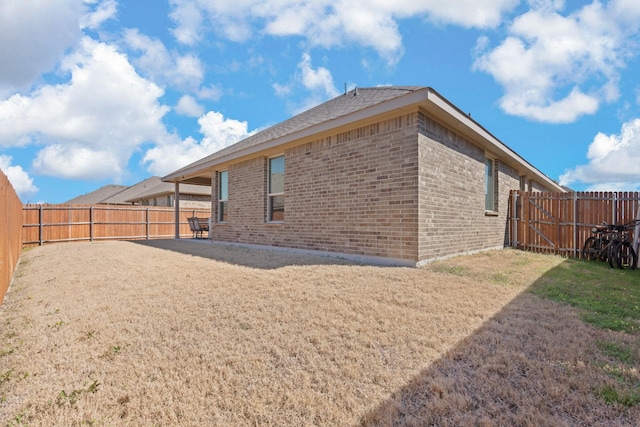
(275, 198)
(489, 185)
(223, 195)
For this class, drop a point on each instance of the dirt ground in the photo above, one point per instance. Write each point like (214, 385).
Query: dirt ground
(193, 334)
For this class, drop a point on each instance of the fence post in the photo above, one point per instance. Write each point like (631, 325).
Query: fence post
(176, 202)
(147, 220)
(575, 225)
(636, 232)
(40, 227)
(557, 245)
(91, 224)
(524, 215)
(514, 220)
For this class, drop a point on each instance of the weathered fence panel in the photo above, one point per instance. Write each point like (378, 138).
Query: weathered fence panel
(559, 223)
(44, 224)
(10, 233)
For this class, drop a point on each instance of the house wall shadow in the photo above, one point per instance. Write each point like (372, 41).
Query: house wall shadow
(532, 364)
(252, 257)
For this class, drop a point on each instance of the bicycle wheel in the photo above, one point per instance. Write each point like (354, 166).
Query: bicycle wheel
(612, 249)
(605, 244)
(591, 248)
(625, 256)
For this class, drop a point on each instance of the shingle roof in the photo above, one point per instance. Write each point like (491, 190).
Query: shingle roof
(124, 196)
(168, 188)
(348, 109)
(355, 100)
(97, 196)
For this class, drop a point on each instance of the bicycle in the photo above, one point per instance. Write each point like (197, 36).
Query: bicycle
(611, 243)
(622, 252)
(597, 247)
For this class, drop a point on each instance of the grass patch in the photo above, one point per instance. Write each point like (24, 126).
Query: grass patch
(72, 397)
(6, 376)
(455, 270)
(626, 398)
(619, 352)
(607, 298)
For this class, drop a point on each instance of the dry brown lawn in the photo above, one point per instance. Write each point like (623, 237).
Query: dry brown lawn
(193, 334)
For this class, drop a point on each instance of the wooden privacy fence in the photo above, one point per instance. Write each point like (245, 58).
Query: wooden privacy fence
(559, 223)
(66, 223)
(10, 233)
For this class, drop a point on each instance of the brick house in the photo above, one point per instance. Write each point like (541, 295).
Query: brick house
(390, 175)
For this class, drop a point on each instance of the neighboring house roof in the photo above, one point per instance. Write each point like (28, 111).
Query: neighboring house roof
(132, 191)
(168, 188)
(97, 196)
(123, 195)
(358, 105)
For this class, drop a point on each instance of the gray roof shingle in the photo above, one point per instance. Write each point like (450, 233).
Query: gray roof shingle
(342, 105)
(123, 195)
(97, 196)
(168, 188)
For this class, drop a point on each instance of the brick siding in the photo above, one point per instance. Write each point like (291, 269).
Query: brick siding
(452, 216)
(352, 193)
(405, 188)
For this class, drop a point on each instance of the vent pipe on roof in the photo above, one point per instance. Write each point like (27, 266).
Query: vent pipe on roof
(355, 91)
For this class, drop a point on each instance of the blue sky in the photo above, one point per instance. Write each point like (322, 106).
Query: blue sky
(96, 92)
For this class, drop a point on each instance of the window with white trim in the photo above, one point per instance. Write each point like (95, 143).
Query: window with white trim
(223, 195)
(275, 197)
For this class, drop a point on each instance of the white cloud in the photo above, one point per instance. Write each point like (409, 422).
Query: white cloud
(317, 82)
(613, 161)
(105, 10)
(285, 89)
(189, 16)
(188, 106)
(213, 93)
(75, 161)
(33, 36)
(218, 132)
(20, 180)
(163, 159)
(97, 119)
(466, 13)
(556, 68)
(328, 23)
(180, 71)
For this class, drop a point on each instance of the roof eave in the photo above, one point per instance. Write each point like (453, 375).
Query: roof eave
(412, 98)
(426, 97)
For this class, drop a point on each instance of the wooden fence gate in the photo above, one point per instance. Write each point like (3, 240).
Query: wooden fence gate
(559, 223)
